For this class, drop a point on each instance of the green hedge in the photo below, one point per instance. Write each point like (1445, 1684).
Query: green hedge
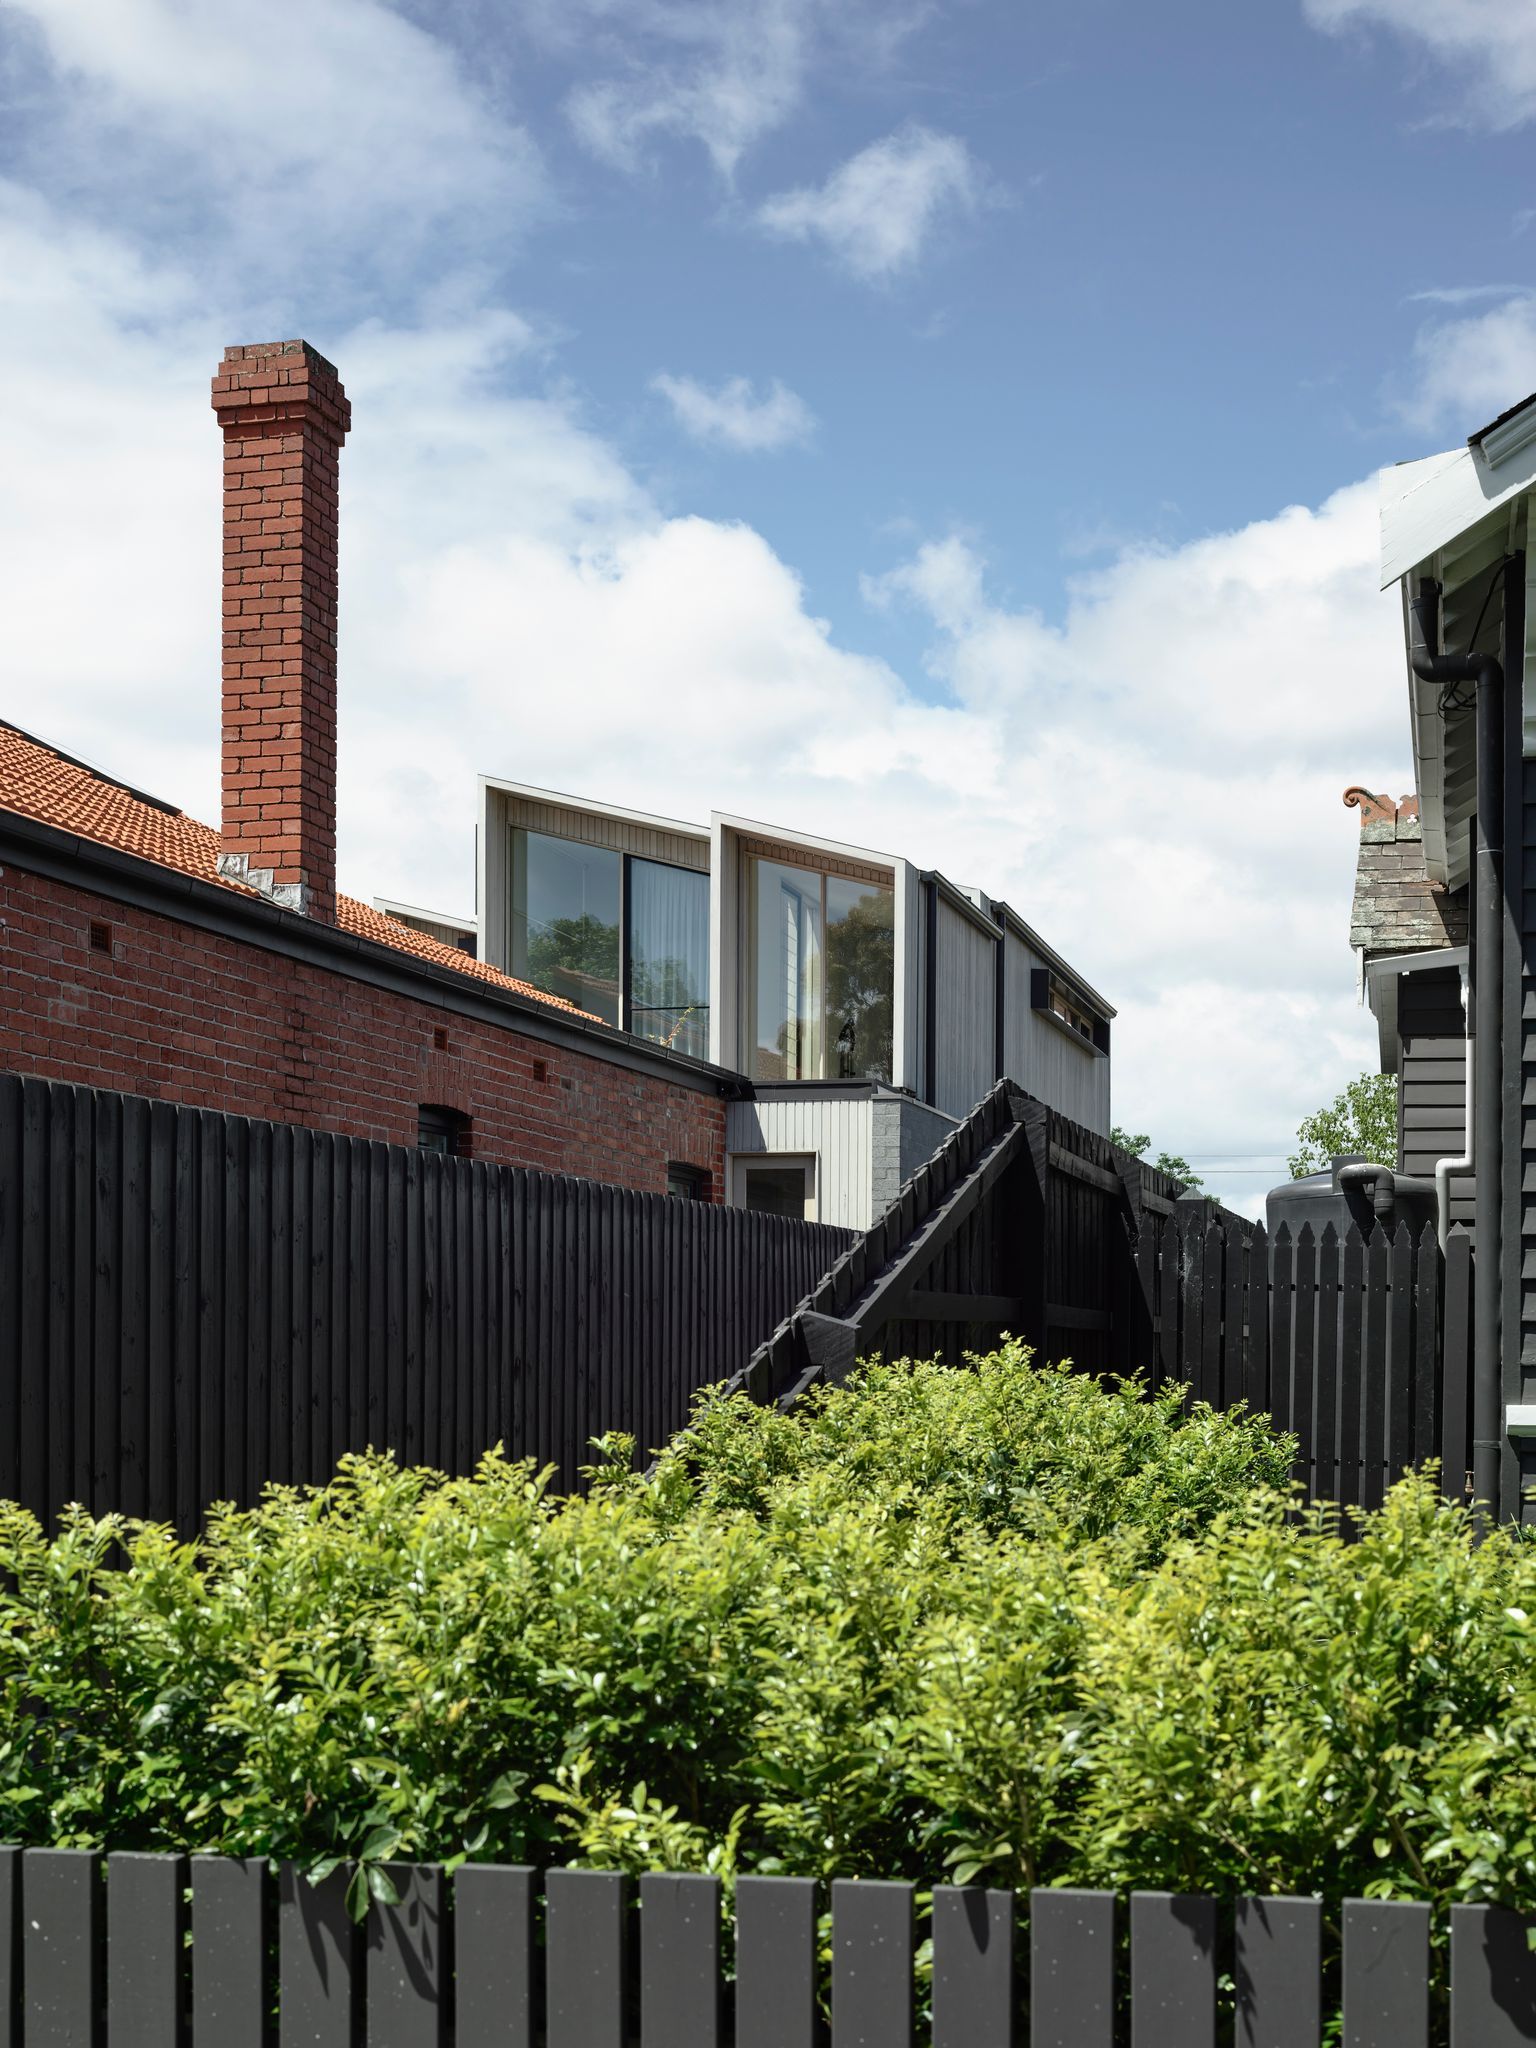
(1006, 1623)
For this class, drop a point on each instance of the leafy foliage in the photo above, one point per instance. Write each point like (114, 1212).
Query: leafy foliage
(1007, 1623)
(1136, 1143)
(1363, 1118)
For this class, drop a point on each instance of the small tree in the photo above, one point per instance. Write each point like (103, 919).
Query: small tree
(1361, 1119)
(1166, 1162)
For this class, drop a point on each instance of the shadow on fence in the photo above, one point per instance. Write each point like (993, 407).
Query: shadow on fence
(94, 1948)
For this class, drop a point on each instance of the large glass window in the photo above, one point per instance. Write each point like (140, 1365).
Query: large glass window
(622, 937)
(669, 955)
(823, 963)
(565, 920)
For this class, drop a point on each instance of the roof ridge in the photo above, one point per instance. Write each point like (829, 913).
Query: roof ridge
(142, 796)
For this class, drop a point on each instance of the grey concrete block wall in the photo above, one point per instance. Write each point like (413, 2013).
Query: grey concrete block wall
(905, 1134)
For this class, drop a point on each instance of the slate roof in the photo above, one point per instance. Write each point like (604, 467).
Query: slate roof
(1397, 908)
(42, 782)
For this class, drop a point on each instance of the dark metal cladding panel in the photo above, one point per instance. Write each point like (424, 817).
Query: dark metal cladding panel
(145, 1953)
(1279, 1973)
(775, 1962)
(317, 1962)
(62, 1898)
(229, 1962)
(1071, 1969)
(679, 1962)
(1493, 1978)
(493, 1954)
(871, 1964)
(1173, 1971)
(10, 1948)
(972, 1968)
(584, 1928)
(408, 1972)
(1386, 1974)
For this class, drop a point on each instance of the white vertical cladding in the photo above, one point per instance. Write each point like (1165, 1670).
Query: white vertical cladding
(726, 940)
(837, 1129)
(907, 993)
(491, 881)
(1043, 1056)
(964, 1008)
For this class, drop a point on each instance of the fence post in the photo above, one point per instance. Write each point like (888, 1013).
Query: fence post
(1034, 1218)
(872, 1946)
(972, 1967)
(1386, 1974)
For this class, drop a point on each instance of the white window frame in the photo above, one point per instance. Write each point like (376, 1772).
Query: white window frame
(742, 1163)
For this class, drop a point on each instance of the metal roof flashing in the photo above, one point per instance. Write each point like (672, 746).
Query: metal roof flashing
(1508, 434)
(1427, 506)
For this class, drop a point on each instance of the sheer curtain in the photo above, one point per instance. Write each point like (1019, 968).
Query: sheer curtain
(669, 955)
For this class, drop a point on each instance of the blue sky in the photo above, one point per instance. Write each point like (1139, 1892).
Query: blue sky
(947, 426)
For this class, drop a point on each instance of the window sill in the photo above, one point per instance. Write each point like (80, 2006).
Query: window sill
(1084, 1045)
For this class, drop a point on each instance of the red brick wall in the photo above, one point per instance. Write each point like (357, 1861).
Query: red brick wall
(189, 1016)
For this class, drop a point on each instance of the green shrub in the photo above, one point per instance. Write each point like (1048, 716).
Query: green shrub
(1009, 1624)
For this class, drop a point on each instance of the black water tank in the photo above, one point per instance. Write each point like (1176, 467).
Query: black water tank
(1319, 1199)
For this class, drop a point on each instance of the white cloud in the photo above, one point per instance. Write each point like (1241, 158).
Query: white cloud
(336, 125)
(876, 212)
(1491, 42)
(724, 73)
(1465, 372)
(1153, 780)
(733, 416)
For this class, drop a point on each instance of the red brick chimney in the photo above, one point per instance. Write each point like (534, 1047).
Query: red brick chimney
(284, 416)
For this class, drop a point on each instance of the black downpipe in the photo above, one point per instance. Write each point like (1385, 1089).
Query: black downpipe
(1487, 674)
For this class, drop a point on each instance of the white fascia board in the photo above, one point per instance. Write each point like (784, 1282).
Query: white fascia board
(758, 828)
(1049, 957)
(1394, 964)
(905, 1014)
(1382, 981)
(1427, 505)
(566, 802)
(393, 908)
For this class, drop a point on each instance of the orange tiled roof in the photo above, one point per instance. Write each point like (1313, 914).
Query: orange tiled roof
(39, 782)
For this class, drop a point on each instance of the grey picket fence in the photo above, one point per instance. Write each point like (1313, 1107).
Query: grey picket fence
(161, 1951)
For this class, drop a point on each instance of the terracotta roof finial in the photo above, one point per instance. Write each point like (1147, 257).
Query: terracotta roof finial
(1374, 810)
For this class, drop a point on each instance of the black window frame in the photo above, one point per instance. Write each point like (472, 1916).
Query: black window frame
(443, 1130)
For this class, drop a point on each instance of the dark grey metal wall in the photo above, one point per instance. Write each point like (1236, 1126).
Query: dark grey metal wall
(193, 1304)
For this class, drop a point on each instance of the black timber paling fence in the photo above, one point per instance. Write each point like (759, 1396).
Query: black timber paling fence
(1024, 1222)
(193, 1304)
(94, 1950)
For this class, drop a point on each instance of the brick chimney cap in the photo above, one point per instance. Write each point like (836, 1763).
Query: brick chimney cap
(256, 351)
(265, 384)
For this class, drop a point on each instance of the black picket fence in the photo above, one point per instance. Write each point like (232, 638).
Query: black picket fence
(1026, 1223)
(193, 1304)
(160, 1951)
(1361, 1347)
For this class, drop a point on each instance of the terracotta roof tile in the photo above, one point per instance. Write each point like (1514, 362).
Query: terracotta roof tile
(38, 781)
